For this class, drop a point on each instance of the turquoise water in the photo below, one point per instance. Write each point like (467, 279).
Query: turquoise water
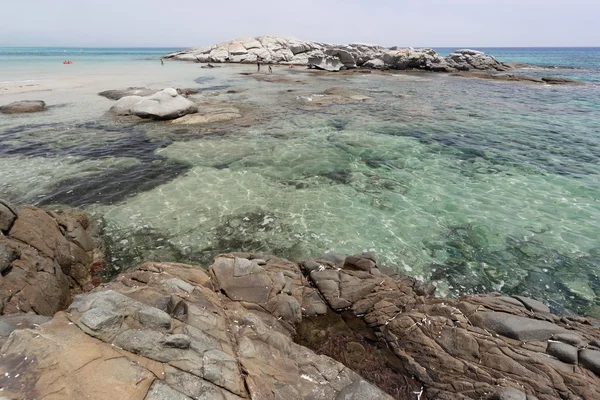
(475, 185)
(53, 54)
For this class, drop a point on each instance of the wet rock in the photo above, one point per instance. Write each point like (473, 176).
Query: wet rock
(166, 104)
(564, 352)
(131, 91)
(515, 327)
(24, 106)
(209, 116)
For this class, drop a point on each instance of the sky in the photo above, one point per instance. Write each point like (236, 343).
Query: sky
(186, 23)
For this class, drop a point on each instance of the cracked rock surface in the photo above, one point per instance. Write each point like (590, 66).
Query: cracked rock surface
(175, 331)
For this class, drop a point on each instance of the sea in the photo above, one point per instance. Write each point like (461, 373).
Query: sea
(475, 185)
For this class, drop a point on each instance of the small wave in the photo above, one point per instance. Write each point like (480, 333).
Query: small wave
(20, 81)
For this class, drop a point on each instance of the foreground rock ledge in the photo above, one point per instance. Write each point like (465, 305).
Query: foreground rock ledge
(174, 331)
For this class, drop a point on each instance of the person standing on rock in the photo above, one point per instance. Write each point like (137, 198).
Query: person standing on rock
(258, 63)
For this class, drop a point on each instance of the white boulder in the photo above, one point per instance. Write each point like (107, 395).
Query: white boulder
(166, 104)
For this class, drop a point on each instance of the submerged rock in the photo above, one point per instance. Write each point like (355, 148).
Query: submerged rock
(207, 115)
(518, 78)
(23, 106)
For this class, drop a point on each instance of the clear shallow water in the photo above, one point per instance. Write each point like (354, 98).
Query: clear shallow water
(475, 185)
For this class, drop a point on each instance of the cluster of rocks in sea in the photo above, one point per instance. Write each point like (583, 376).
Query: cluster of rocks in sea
(331, 57)
(176, 331)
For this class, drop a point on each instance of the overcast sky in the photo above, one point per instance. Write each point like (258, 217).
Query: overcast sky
(183, 23)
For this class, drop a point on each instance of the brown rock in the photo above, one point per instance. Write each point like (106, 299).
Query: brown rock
(41, 261)
(7, 217)
(39, 230)
(60, 360)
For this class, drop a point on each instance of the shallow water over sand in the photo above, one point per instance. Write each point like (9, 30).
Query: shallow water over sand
(476, 185)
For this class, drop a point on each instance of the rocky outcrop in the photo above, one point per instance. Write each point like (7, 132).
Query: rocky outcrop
(331, 57)
(45, 256)
(163, 332)
(465, 60)
(163, 105)
(24, 106)
(176, 331)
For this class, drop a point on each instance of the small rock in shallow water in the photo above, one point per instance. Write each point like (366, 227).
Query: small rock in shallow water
(25, 106)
